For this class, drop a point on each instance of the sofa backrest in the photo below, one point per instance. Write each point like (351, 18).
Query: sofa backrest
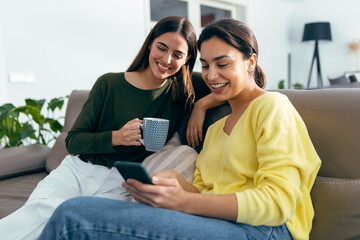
(76, 101)
(331, 116)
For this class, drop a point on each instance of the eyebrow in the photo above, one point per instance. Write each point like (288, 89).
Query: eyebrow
(178, 51)
(216, 58)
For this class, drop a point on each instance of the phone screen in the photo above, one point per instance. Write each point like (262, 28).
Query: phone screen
(133, 170)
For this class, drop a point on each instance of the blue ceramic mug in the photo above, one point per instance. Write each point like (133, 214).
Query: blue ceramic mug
(155, 131)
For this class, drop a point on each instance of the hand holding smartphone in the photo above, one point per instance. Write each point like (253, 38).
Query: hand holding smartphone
(133, 170)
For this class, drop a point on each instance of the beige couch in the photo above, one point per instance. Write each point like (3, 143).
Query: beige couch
(333, 120)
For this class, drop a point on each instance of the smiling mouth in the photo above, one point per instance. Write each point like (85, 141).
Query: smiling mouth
(218, 85)
(162, 67)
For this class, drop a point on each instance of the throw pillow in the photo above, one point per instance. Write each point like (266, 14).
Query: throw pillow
(174, 156)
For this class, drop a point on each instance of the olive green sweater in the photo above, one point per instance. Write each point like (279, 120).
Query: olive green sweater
(111, 104)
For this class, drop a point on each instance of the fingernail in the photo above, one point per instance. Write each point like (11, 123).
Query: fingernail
(155, 180)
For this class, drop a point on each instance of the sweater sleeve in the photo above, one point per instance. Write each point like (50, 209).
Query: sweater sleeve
(83, 138)
(282, 146)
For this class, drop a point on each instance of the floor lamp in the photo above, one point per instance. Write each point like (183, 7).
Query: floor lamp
(316, 31)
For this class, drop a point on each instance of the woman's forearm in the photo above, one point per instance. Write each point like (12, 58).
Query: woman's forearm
(222, 206)
(208, 102)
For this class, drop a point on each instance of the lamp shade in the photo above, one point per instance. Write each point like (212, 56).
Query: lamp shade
(317, 31)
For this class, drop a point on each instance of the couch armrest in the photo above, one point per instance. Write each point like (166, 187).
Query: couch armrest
(23, 159)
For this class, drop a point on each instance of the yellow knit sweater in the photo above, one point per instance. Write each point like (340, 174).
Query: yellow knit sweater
(268, 161)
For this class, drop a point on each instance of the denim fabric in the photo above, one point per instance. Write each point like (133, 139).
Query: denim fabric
(100, 218)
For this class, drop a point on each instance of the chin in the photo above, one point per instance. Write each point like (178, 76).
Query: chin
(220, 97)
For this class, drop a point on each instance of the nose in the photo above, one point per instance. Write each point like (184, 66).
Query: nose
(167, 58)
(212, 74)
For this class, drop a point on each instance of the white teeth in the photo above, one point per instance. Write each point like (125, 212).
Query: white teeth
(163, 67)
(218, 85)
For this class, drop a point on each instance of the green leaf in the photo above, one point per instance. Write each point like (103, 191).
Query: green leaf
(55, 103)
(54, 125)
(36, 115)
(6, 107)
(281, 84)
(298, 86)
(35, 103)
(25, 133)
(4, 115)
(21, 109)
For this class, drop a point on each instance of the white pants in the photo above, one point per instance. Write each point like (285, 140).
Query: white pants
(71, 179)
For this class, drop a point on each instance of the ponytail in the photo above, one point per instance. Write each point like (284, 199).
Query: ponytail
(260, 78)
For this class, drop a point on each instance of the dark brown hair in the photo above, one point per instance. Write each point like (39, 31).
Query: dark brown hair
(181, 81)
(238, 35)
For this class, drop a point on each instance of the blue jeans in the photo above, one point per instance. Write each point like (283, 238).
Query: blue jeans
(101, 218)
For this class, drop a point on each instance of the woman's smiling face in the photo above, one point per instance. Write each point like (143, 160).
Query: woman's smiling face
(224, 69)
(168, 53)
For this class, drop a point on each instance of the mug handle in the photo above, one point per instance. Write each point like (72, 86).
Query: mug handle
(141, 126)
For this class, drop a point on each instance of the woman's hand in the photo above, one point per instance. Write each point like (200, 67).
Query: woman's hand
(166, 192)
(194, 131)
(128, 135)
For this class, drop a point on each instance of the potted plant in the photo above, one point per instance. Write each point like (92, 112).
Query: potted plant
(281, 85)
(27, 125)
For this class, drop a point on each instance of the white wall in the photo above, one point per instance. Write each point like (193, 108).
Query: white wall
(3, 93)
(66, 44)
(269, 20)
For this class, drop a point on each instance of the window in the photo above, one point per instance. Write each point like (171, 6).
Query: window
(162, 8)
(211, 14)
(199, 12)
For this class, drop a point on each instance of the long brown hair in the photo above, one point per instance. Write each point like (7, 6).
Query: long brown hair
(181, 81)
(238, 35)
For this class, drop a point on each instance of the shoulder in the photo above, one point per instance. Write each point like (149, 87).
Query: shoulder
(272, 98)
(110, 78)
(274, 107)
(272, 101)
(106, 83)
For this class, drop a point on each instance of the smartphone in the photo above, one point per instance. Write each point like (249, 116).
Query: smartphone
(133, 170)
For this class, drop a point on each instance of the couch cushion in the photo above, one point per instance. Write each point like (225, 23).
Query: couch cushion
(15, 191)
(22, 159)
(337, 209)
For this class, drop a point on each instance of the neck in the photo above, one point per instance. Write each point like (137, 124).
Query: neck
(239, 104)
(149, 81)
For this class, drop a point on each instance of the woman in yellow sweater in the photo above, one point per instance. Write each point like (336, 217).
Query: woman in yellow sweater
(253, 177)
